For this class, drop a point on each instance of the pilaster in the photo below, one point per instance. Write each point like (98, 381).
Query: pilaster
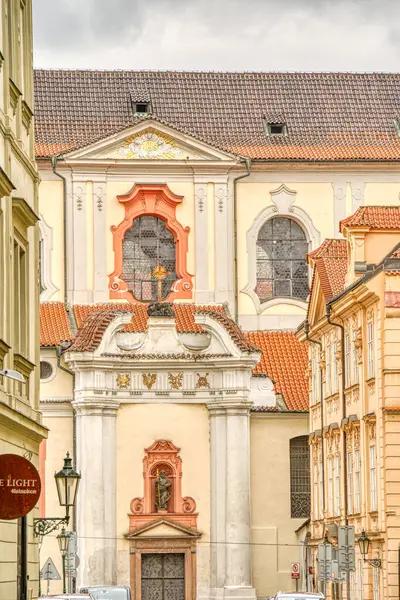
(339, 204)
(100, 293)
(223, 242)
(79, 242)
(203, 294)
(96, 505)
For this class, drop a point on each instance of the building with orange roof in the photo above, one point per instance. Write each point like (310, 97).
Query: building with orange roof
(206, 191)
(352, 332)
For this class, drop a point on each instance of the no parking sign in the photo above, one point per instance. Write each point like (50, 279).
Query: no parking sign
(295, 570)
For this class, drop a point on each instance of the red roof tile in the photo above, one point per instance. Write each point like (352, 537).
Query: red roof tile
(332, 275)
(284, 360)
(374, 217)
(329, 116)
(330, 248)
(54, 326)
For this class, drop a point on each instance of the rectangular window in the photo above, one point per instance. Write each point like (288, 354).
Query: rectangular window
(330, 486)
(321, 490)
(347, 360)
(349, 483)
(355, 358)
(376, 583)
(315, 486)
(314, 379)
(372, 478)
(360, 579)
(352, 585)
(328, 370)
(20, 299)
(300, 489)
(357, 482)
(371, 367)
(335, 369)
(337, 486)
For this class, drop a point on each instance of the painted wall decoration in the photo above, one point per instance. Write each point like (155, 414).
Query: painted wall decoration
(150, 145)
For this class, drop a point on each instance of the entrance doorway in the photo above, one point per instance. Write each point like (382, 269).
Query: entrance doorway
(163, 576)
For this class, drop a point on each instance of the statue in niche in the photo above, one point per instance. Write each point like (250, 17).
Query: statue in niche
(162, 491)
(160, 309)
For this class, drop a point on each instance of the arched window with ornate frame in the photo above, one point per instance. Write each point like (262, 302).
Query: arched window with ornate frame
(150, 248)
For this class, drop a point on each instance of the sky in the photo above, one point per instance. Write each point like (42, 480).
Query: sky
(218, 35)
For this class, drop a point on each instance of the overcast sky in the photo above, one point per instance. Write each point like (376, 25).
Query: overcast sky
(306, 35)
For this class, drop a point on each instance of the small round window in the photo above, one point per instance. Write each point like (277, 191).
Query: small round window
(46, 370)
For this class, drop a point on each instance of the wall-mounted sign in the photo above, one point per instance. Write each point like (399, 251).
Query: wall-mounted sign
(19, 486)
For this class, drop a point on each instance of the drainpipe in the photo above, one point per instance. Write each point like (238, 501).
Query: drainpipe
(306, 331)
(54, 166)
(247, 162)
(342, 351)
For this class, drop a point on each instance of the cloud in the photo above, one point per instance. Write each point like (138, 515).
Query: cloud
(345, 35)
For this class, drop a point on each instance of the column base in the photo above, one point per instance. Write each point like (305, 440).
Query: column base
(234, 592)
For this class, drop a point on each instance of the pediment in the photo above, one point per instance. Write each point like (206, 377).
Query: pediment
(150, 141)
(317, 302)
(161, 528)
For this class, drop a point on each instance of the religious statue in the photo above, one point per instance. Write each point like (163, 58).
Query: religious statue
(160, 309)
(162, 491)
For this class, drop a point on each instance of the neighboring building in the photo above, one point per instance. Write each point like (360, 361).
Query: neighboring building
(207, 190)
(21, 430)
(354, 312)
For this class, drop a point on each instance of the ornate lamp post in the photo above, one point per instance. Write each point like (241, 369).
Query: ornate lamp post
(364, 543)
(63, 541)
(67, 482)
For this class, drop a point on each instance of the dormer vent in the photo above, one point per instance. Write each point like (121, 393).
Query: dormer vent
(140, 102)
(276, 129)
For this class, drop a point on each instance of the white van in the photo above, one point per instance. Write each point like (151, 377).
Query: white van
(108, 592)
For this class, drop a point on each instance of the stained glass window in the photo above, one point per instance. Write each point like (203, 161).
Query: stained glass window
(300, 478)
(281, 260)
(149, 259)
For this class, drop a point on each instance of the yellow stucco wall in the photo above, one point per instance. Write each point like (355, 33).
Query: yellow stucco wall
(51, 207)
(275, 543)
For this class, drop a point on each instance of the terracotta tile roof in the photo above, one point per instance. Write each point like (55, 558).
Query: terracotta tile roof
(330, 248)
(374, 217)
(329, 116)
(91, 332)
(54, 326)
(284, 360)
(332, 275)
(236, 333)
(395, 253)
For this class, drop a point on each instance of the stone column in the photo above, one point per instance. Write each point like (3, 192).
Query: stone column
(230, 500)
(96, 506)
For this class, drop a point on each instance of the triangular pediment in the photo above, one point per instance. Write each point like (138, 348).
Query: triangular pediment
(162, 528)
(150, 140)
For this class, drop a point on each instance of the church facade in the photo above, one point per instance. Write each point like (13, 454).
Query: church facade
(177, 211)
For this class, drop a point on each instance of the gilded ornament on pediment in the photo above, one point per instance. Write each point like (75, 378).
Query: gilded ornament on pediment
(175, 381)
(202, 381)
(356, 438)
(123, 381)
(149, 379)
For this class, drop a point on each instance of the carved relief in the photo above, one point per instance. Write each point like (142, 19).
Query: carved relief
(78, 193)
(202, 381)
(151, 144)
(99, 197)
(162, 475)
(123, 381)
(149, 379)
(356, 438)
(201, 198)
(220, 197)
(175, 381)
(358, 343)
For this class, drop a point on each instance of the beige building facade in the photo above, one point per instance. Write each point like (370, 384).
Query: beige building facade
(21, 428)
(166, 197)
(354, 314)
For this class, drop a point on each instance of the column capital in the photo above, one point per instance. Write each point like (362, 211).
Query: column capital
(96, 407)
(229, 406)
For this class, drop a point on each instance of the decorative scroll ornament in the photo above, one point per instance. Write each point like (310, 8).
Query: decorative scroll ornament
(123, 381)
(150, 145)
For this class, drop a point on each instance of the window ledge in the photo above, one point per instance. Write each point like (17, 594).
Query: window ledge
(370, 380)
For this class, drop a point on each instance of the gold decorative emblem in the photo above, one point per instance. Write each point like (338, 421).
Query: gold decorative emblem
(151, 144)
(149, 379)
(175, 381)
(123, 381)
(160, 274)
(202, 381)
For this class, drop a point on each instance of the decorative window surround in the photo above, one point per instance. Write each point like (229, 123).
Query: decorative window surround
(283, 205)
(46, 234)
(157, 201)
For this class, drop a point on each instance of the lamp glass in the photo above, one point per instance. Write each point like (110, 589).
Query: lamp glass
(63, 541)
(363, 544)
(67, 482)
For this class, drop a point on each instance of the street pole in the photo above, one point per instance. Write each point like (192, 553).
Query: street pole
(63, 573)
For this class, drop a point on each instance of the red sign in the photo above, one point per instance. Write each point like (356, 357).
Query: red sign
(19, 486)
(295, 570)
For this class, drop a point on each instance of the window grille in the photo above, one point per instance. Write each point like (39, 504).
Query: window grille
(300, 477)
(149, 259)
(281, 260)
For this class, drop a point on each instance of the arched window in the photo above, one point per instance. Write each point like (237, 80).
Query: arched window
(148, 255)
(281, 260)
(300, 493)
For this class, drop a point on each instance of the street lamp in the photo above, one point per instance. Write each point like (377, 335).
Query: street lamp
(364, 543)
(63, 541)
(67, 482)
(11, 374)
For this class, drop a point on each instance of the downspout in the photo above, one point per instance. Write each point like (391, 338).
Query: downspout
(343, 374)
(247, 162)
(54, 166)
(306, 331)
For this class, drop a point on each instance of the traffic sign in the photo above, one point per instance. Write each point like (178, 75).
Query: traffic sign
(49, 571)
(295, 570)
(325, 555)
(346, 548)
